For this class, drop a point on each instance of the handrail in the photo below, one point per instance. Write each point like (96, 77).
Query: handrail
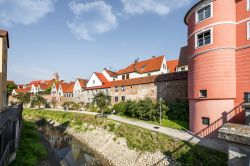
(5, 154)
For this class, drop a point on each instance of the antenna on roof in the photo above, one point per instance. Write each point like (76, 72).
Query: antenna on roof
(137, 60)
(111, 68)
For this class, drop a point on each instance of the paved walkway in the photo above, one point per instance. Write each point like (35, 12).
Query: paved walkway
(215, 144)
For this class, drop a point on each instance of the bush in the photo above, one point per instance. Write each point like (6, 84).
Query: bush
(179, 110)
(143, 109)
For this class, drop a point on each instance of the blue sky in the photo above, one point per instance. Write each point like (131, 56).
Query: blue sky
(78, 37)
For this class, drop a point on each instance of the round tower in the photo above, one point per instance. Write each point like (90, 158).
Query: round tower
(212, 68)
(55, 76)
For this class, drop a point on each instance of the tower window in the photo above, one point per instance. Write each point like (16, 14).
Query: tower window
(205, 121)
(203, 93)
(203, 13)
(203, 38)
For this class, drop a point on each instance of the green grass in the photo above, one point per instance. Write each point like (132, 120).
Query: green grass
(30, 151)
(136, 137)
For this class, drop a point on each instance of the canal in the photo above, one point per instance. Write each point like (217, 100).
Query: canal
(67, 150)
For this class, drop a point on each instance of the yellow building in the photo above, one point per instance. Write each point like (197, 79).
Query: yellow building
(4, 45)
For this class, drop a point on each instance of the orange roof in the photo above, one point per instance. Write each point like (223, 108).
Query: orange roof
(135, 81)
(111, 73)
(146, 66)
(83, 82)
(22, 90)
(67, 87)
(101, 77)
(172, 65)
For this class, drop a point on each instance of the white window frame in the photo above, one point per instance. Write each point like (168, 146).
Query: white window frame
(203, 6)
(202, 31)
(248, 30)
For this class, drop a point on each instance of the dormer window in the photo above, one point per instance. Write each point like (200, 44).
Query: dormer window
(204, 13)
(143, 67)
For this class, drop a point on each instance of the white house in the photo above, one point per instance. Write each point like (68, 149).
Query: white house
(78, 88)
(153, 66)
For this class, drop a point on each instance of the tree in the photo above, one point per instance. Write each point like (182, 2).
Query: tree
(48, 91)
(10, 87)
(38, 100)
(24, 98)
(102, 101)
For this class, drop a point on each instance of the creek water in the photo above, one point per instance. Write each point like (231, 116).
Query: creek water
(68, 150)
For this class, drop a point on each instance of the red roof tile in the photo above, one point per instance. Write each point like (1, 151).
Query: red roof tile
(101, 77)
(83, 82)
(145, 66)
(22, 90)
(111, 73)
(67, 87)
(172, 65)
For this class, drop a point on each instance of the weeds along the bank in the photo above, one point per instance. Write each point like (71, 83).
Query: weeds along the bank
(31, 151)
(136, 137)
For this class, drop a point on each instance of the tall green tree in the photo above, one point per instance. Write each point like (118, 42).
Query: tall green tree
(24, 98)
(102, 101)
(38, 100)
(10, 87)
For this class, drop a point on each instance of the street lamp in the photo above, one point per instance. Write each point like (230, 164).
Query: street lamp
(160, 100)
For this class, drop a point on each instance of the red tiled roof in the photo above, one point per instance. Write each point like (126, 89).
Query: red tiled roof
(67, 87)
(22, 90)
(111, 73)
(172, 65)
(135, 81)
(83, 82)
(145, 66)
(101, 77)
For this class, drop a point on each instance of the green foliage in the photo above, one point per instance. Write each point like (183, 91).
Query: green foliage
(143, 109)
(10, 87)
(37, 101)
(30, 151)
(138, 138)
(24, 98)
(179, 110)
(48, 90)
(70, 105)
(102, 101)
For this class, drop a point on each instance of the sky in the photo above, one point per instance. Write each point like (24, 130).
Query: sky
(78, 37)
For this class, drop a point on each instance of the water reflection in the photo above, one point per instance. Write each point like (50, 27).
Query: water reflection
(68, 150)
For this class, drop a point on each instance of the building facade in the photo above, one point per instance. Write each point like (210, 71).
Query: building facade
(4, 45)
(218, 58)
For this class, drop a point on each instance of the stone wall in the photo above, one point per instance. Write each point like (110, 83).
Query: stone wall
(134, 92)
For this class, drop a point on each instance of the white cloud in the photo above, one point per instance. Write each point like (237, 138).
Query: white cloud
(91, 19)
(160, 7)
(24, 11)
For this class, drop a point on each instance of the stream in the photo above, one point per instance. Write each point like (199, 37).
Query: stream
(68, 150)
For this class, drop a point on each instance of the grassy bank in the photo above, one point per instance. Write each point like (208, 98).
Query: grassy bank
(137, 138)
(30, 151)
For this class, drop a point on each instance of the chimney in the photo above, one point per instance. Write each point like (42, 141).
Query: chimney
(153, 57)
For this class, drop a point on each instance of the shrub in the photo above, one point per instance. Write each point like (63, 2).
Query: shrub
(143, 109)
(178, 110)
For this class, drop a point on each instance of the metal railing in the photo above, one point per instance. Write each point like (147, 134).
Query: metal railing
(10, 132)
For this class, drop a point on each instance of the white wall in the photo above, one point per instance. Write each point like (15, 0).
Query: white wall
(109, 78)
(91, 83)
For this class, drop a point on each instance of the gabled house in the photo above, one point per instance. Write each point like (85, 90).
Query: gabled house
(172, 65)
(110, 75)
(153, 66)
(65, 90)
(21, 90)
(79, 86)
